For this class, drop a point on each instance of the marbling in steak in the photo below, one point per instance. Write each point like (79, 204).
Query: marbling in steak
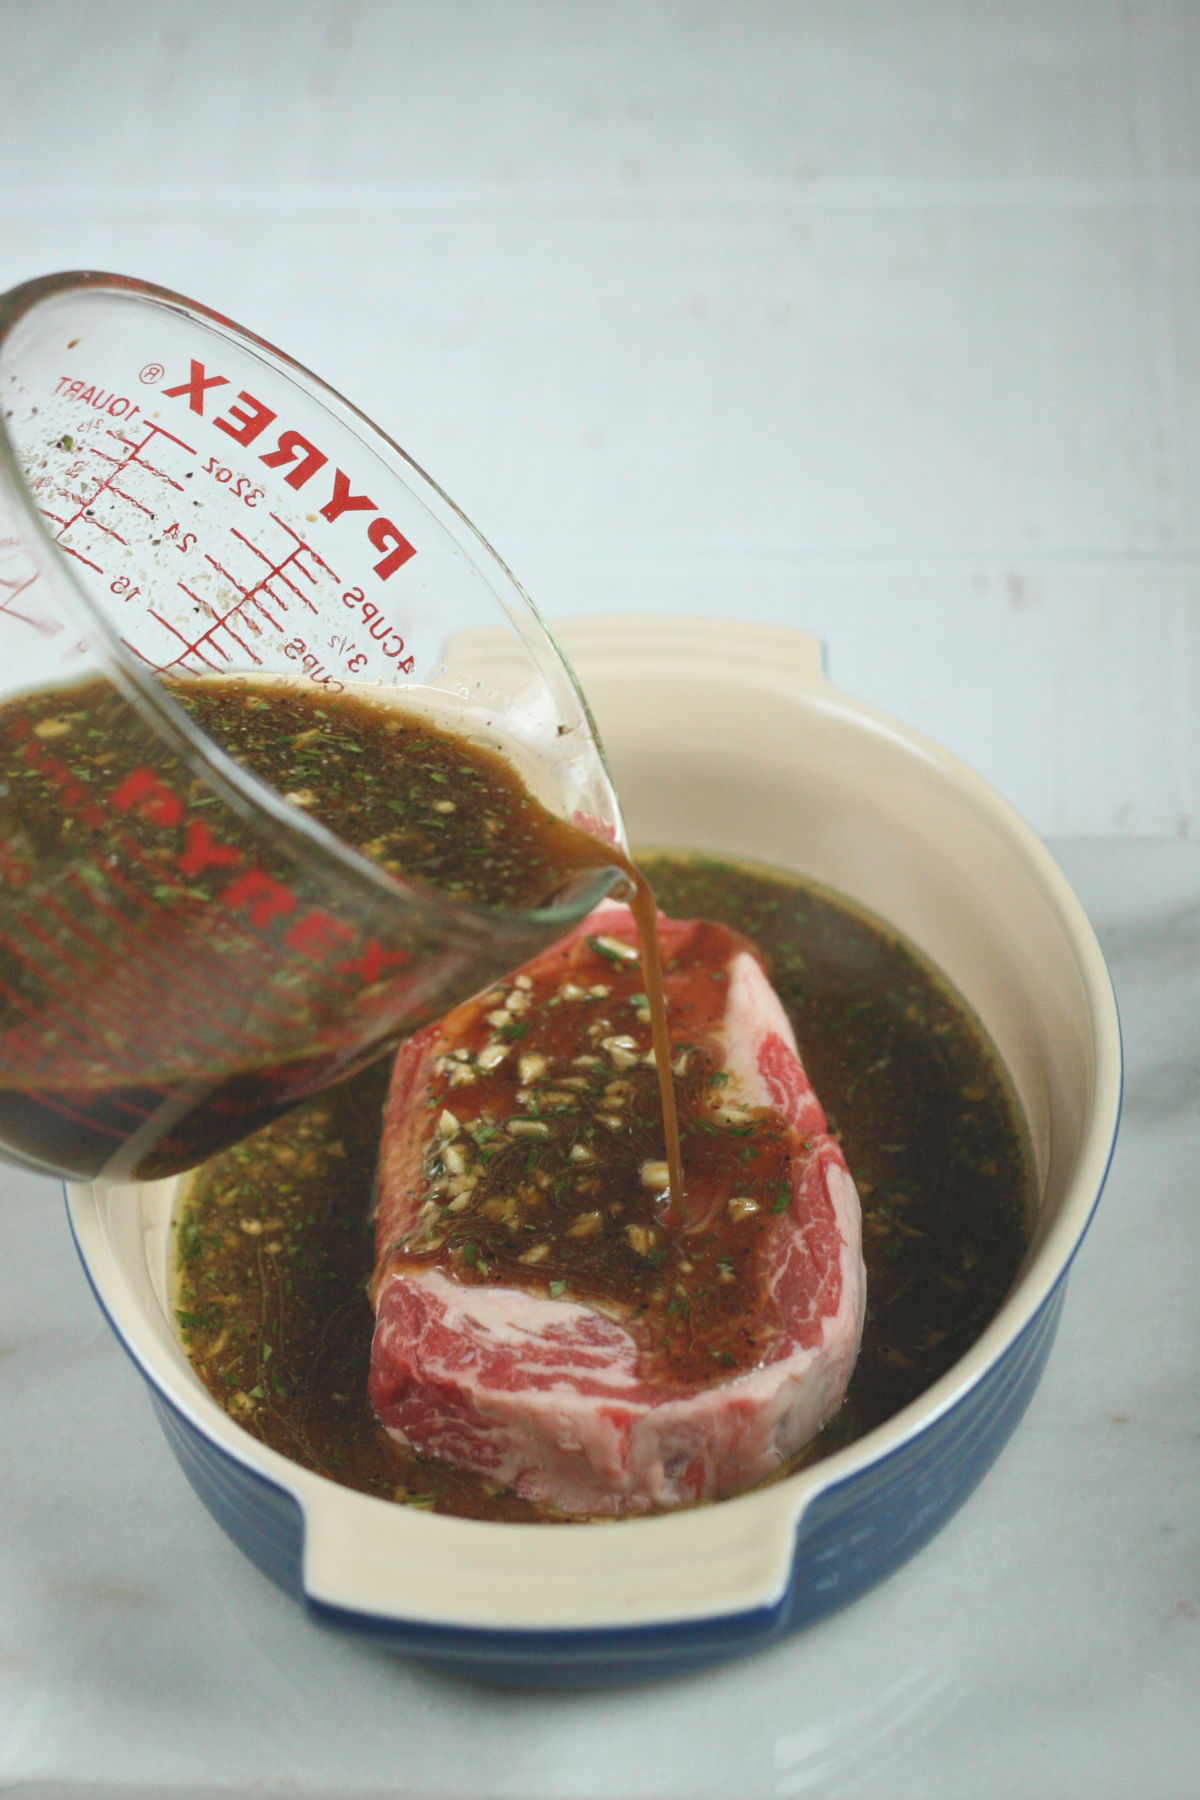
(563, 1397)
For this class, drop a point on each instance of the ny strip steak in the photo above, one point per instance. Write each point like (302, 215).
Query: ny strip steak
(537, 1321)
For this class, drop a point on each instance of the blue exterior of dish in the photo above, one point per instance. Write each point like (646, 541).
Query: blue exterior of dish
(853, 1535)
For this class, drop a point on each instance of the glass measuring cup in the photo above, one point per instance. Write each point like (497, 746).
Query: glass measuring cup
(183, 954)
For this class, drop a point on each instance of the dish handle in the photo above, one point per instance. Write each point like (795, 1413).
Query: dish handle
(796, 660)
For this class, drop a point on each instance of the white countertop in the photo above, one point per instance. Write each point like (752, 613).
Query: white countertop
(1047, 1642)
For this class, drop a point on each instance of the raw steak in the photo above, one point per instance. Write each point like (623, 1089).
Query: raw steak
(565, 1397)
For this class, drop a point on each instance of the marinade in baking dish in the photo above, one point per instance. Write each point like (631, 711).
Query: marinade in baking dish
(275, 1241)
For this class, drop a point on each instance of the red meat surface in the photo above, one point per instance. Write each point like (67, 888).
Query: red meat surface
(565, 1401)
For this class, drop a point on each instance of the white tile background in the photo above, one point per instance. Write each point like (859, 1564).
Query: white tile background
(879, 319)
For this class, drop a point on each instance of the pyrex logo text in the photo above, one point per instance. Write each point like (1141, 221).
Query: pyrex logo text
(246, 420)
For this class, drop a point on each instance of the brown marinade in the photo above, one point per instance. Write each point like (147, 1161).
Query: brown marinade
(425, 804)
(276, 1245)
(171, 972)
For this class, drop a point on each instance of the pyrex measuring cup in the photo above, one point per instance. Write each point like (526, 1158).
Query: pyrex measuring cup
(183, 954)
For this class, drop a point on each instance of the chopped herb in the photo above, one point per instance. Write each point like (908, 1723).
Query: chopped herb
(615, 954)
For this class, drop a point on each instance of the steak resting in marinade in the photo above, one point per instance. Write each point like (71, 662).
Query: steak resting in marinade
(544, 1315)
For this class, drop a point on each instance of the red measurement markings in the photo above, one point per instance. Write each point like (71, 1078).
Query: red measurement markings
(15, 579)
(130, 457)
(187, 1011)
(258, 600)
(18, 950)
(171, 988)
(150, 962)
(146, 966)
(13, 868)
(149, 965)
(212, 645)
(55, 1103)
(153, 963)
(63, 1015)
(256, 896)
(164, 962)
(291, 562)
(18, 1069)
